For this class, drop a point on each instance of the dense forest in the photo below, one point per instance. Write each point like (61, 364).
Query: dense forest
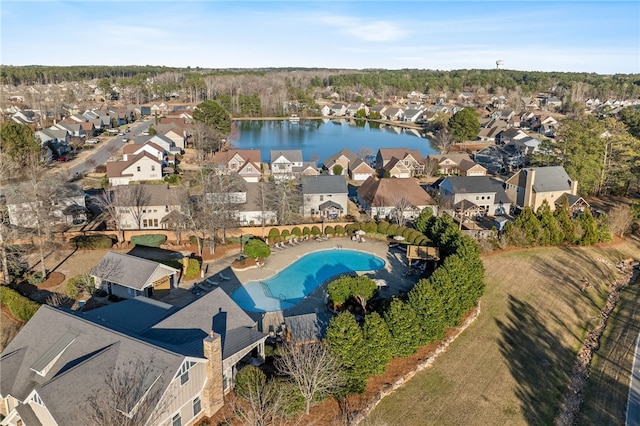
(200, 83)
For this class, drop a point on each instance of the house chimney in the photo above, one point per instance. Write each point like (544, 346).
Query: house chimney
(213, 390)
(529, 198)
(574, 187)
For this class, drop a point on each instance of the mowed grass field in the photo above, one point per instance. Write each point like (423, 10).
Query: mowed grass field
(512, 365)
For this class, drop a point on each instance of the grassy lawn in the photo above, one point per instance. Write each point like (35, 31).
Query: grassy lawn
(512, 365)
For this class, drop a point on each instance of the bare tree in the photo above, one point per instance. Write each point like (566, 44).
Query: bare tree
(285, 199)
(620, 219)
(443, 140)
(125, 200)
(313, 369)
(265, 401)
(400, 205)
(128, 397)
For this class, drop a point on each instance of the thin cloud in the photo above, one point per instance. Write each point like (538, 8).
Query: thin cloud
(365, 30)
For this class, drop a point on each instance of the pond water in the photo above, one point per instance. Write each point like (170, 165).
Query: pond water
(319, 139)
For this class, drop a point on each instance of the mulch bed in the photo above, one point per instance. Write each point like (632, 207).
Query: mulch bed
(54, 279)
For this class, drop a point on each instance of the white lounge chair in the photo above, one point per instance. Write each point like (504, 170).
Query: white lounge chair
(224, 277)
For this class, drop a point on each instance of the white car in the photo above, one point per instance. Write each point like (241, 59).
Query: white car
(93, 141)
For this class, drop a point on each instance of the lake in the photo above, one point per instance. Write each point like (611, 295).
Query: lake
(319, 139)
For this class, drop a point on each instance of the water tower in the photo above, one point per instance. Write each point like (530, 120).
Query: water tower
(499, 64)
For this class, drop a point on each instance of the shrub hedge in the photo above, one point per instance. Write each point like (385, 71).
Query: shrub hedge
(93, 241)
(193, 269)
(151, 240)
(21, 307)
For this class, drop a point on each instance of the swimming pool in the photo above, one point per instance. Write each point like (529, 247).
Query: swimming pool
(287, 288)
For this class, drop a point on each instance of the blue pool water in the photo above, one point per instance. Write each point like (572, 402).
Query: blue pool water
(291, 285)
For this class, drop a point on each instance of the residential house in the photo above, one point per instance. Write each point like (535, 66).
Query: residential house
(529, 103)
(503, 114)
(88, 128)
(351, 164)
(26, 116)
(141, 167)
(552, 103)
(359, 170)
(378, 109)
(245, 162)
(410, 158)
(338, 110)
(448, 164)
(131, 150)
(576, 203)
(511, 134)
(184, 360)
(324, 196)
(145, 206)
(255, 210)
(128, 276)
(412, 115)
(307, 328)
(58, 140)
(396, 169)
(490, 134)
(325, 110)
(64, 206)
(474, 195)
(75, 129)
(392, 198)
(393, 114)
(159, 139)
(469, 168)
(286, 164)
(531, 186)
(353, 109)
(526, 145)
(309, 168)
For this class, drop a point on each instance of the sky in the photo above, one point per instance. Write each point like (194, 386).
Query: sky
(594, 36)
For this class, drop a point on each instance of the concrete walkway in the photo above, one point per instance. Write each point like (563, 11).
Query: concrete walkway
(392, 273)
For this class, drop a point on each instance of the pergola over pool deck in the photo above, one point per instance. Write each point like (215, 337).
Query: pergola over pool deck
(426, 253)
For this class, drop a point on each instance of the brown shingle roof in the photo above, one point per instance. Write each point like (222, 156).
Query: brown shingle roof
(384, 192)
(251, 155)
(115, 168)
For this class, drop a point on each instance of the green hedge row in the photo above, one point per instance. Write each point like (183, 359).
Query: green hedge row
(151, 240)
(193, 269)
(21, 307)
(94, 241)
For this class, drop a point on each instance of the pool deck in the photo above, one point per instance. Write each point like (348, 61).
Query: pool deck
(392, 273)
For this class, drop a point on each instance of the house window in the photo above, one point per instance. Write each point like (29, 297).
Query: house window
(322, 198)
(477, 198)
(131, 292)
(184, 378)
(153, 168)
(155, 223)
(138, 168)
(197, 406)
(183, 373)
(36, 398)
(144, 223)
(176, 420)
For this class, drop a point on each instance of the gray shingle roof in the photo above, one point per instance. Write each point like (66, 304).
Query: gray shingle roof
(184, 330)
(324, 184)
(81, 368)
(293, 155)
(130, 271)
(346, 152)
(308, 327)
(131, 316)
(478, 185)
(553, 178)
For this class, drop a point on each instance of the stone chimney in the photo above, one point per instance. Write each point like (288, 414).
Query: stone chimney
(213, 391)
(528, 188)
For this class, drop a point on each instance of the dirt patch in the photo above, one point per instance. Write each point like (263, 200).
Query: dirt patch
(9, 327)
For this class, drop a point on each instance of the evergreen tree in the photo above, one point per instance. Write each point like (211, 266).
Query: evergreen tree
(563, 217)
(404, 327)
(551, 233)
(346, 340)
(378, 343)
(589, 228)
(464, 125)
(428, 306)
(422, 222)
(528, 221)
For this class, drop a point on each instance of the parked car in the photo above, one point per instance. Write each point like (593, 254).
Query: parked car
(124, 140)
(63, 159)
(93, 141)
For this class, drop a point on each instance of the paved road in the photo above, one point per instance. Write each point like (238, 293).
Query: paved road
(106, 149)
(633, 402)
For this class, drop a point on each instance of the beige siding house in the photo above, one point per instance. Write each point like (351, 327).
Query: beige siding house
(531, 186)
